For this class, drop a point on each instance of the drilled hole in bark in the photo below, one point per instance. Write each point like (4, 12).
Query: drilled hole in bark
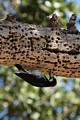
(37, 38)
(57, 56)
(67, 71)
(25, 46)
(23, 57)
(70, 46)
(23, 51)
(37, 44)
(58, 38)
(53, 69)
(57, 33)
(60, 41)
(48, 54)
(48, 36)
(38, 51)
(29, 38)
(63, 65)
(52, 38)
(77, 38)
(27, 52)
(26, 34)
(10, 27)
(17, 58)
(59, 61)
(19, 26)
(28, 46)
(52, 29)
(35, 34)
(44, 58)
(32, 59)
(74, 44)
(38, 60)
(32, 49)
(75, 57)
(31, 32)
(41, 36)
(55, 64)
(73, 72)
(67, 48)
(49, 45)
(48, 41)
(65, 45)
(1, 28)
(77, 49)
(63, 57)
(22, 30)
(56, 41)
(16, 27)
(28, 42)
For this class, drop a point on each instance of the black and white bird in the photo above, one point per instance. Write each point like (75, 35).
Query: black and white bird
(35, 77)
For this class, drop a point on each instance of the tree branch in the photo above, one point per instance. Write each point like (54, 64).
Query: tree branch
(43, 48)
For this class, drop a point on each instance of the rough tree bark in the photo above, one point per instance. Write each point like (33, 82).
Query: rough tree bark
(43, 48)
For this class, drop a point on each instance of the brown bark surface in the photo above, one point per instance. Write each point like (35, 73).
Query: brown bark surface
(42, 48)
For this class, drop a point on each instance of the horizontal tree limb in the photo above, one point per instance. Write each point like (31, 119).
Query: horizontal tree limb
(42, 48)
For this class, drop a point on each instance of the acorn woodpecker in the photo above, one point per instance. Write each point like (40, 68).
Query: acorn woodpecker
(35, 77)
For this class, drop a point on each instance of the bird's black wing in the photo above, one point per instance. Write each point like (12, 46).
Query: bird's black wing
(20, 67)
(34, 79)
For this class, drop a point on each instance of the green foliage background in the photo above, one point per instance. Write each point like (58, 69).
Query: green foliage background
(21, 101)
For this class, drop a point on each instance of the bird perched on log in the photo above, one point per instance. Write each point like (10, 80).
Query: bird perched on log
(54, 22)
(71, 28)
(35, 77)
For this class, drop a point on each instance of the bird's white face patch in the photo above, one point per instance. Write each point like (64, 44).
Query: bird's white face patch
(50, 80)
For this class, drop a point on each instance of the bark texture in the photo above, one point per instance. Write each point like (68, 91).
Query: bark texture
(43, 48)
